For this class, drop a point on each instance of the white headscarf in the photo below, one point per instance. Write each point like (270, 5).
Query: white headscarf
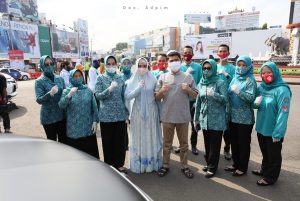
(147, 92)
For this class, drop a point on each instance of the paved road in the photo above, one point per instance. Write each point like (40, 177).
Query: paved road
(175, 187)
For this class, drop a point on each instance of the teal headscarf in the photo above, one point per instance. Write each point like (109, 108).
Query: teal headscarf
(105, 65)
(49, 70)
(244, 73)
(76, 82)
(126, 69)
(277, 77)
(214, 77)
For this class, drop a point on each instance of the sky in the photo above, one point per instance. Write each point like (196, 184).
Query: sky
(112, 21)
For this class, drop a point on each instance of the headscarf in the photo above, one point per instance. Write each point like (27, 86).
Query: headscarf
(277, 77)
(73, 82)
(214, 77)
(105, 65)
(248, 69)
(147, 92)
(47, 71)
(126, 69)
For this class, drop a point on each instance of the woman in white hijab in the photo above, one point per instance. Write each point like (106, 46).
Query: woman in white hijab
(146, 136)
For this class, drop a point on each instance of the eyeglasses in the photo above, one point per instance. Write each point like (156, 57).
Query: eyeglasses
(142, 66)
(173, 60)
(206, 68)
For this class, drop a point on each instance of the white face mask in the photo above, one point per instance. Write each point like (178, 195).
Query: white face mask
(142, 71)
(112, 69)
(175, 66)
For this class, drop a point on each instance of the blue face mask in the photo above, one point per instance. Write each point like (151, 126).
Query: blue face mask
(126, 70)
(207, 73)
(77, 81)
(242, 71)
(49, 71)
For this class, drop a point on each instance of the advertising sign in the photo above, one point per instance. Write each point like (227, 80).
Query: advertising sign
(197, 18)
(23, 8)
(64, 44)
(205, 45)
(45, 43)
(16, 58)
(19, 36)
(82, 28)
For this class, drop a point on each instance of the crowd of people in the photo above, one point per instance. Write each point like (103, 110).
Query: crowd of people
(217, 98)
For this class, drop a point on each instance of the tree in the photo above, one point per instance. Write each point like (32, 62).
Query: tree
(265, 26)
(121, 46)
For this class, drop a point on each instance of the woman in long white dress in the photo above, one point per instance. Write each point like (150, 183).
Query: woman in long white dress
(146, 136)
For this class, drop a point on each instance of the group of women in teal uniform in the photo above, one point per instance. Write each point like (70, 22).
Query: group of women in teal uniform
(71, 114)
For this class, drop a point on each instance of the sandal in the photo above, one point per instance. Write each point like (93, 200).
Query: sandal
(257, 172)
(187, 172)
(230, 168)
(123, 170)
(238, 173)
(263, 182)
(163, 171)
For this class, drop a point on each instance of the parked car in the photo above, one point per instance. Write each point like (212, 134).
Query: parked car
(11, 86)
(25, 75)
(12, 72)
(35, 169)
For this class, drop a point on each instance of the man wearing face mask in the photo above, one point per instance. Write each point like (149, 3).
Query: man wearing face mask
(162, 65)
(93, 74)
(226, 72)
(195, 70)
(174, 89)
(48, 90)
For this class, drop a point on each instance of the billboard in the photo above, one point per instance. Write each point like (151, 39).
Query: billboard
(207, 44)
(240, 20)
(64, 44)
(44, 40)
(197, 18)
(23, 8)
(19, 36)
(3, 7)
(82, 29)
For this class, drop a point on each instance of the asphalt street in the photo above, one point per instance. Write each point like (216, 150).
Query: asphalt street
(175, 186)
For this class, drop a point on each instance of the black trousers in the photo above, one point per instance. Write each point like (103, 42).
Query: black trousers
(86, 75)
(194, 133)
(271, 153)
(56, 131)
(212, 143)
(226, 137)
(240, 138)
(6, 120)
(113, 143)
(86, 144)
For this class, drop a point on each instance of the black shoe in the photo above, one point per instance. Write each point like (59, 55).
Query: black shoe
(195, 151)
(205, 168)
(7, 131)
(257, 172)
(177, 150)
(209, 174)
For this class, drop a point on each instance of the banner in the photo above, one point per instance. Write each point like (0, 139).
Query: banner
(44, 39)
(82, 28)
(3, 7)
(16, 58)
(207, 44)
(19, 36)
(23, 8)
(64, 44)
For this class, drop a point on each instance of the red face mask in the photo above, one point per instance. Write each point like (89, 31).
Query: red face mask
(268, 78)
(223, 55)
(187, 57)
(162, 66)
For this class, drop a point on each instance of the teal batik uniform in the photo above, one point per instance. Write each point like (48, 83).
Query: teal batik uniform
(81, 109)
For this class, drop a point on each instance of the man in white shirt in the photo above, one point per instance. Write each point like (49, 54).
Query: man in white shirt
(93, 74)
(64, 73)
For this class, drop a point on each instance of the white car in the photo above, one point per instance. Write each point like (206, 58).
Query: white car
(11, 86)
(25, 76)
